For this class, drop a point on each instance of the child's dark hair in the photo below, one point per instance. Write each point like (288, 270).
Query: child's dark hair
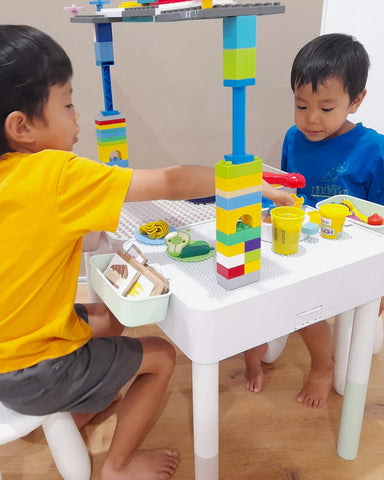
(334, 55)
(30, 62)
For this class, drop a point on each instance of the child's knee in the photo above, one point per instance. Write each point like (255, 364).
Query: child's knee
(158, 355)
(169, 353)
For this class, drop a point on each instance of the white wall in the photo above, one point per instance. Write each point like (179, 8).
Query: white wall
(363, 20)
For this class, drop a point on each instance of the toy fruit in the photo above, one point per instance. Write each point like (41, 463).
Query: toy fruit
(375, 219)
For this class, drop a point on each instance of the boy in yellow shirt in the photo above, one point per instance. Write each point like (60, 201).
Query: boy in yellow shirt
(55, 356)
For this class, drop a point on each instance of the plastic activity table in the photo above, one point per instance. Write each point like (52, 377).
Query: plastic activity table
(208, 323)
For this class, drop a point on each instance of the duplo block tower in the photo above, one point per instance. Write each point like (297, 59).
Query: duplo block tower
(239, 175)
(110, 124)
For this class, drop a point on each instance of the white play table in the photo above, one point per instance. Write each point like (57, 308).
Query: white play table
(325, 278)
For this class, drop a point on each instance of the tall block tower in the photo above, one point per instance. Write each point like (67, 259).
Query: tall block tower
(110, 124)
(239, 175)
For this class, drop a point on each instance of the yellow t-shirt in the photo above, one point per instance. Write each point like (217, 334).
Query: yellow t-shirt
(48, 201)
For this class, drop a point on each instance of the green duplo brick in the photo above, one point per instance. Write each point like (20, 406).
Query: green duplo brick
(252, 256)
(239, 63)
(238, 237)
(225, 169)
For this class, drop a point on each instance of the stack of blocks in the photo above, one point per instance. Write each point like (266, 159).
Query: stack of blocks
(110, 124)
(239, 176)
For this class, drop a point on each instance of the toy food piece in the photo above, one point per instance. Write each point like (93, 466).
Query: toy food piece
(315, 217)
(298, 200)
(200, 247)
(180, 247)
(175, 242)
(375, 219)
(354, 211)
(154, 229)
(291, 180)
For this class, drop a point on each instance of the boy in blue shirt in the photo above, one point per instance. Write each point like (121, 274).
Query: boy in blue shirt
(328, 79)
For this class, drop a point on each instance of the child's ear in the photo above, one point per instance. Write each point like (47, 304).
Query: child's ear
(18, 129)
(357, 102)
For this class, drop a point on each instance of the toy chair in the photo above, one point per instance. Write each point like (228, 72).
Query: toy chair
(63, 437)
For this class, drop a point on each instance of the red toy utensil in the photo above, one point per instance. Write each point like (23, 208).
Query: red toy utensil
(291, 180)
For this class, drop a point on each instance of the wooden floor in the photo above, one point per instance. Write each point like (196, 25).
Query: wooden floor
(266, 436)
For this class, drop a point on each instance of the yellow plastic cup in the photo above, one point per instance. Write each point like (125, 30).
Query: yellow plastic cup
(286, 228)
(332, 219)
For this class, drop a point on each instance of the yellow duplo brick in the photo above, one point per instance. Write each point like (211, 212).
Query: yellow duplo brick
(252, 266)
(129, 5)
(110, 126)
(230, 250)
(246, 181)
(105, 152)
(255, 219)
(206, 4)
(226, 220)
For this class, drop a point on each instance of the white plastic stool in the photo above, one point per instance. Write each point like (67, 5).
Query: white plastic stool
(63, 437)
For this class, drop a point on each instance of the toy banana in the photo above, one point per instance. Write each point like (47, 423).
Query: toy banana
(354, 210)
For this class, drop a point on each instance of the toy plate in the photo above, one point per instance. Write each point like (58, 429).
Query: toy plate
(151, 241)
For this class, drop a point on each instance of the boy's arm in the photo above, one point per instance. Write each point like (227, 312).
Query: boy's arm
(179, 182)
(182, 182)
(278, 196)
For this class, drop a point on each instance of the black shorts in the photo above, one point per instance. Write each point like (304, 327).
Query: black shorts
(86, 380)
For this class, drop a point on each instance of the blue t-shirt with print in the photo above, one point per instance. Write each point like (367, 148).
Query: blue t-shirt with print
(351, 164)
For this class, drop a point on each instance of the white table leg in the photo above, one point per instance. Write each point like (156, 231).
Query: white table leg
(205, 385)
(359, 364)
(379, 336)
(342, 331)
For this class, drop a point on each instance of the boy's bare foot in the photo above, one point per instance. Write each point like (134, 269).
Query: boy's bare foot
(157, 464)
(316, 389)
(253, 370)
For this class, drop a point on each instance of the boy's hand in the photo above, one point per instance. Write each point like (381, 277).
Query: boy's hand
(278, 196)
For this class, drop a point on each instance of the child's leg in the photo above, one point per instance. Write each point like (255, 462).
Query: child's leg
(104, 324)
(253, 370)
(137, 411)
(102, 321)
(317, 338)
